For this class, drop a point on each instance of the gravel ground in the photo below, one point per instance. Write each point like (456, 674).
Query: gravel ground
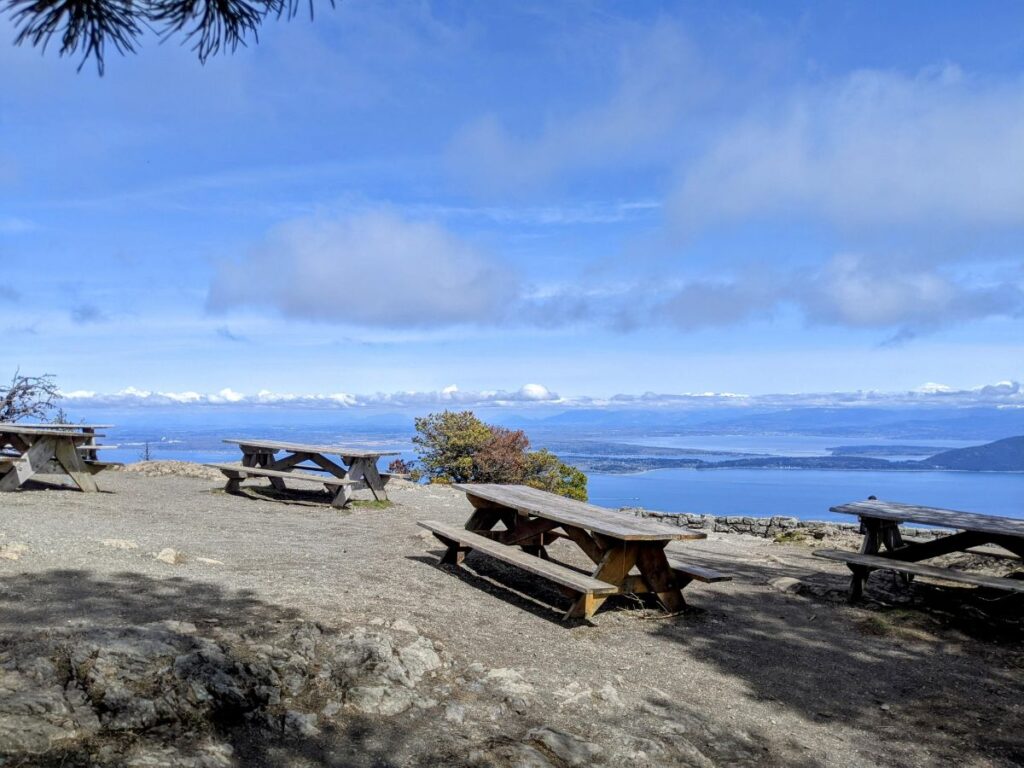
(774, 659)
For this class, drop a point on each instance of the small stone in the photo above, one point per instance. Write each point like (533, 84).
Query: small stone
(170, 556)
(300, 723)
(786, 584)
(119, 543)
(331, 708)
(401, 625)
(884, 707)
(455, 713)
(13, 551)
(209, 561)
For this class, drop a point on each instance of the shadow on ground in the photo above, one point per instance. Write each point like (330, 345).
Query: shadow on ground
(78, 612)
(920, 666)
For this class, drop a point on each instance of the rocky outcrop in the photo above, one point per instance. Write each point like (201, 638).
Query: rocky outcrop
(170, 694)
(768, 527)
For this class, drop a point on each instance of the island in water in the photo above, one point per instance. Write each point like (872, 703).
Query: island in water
(1006, 455)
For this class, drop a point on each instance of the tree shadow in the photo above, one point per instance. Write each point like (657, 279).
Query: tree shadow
(75, 605)
(917, 673)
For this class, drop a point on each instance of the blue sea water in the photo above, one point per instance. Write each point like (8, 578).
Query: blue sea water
(806, 493)
(196, 435)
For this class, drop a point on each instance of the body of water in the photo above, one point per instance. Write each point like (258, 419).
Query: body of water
(196, 436)
(806, 493)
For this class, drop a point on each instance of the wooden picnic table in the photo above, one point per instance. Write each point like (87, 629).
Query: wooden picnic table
(356, 469)
(880, 521)
(27, 450)
(628, 552)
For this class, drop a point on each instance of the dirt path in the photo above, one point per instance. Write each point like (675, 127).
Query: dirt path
(754, 674)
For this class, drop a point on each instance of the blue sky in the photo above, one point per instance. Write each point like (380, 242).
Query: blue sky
(591, 198)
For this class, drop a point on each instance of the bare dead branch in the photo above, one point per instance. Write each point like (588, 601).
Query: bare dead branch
(28, 397)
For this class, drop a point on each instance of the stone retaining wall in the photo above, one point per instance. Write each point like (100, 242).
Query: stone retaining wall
(769, 527)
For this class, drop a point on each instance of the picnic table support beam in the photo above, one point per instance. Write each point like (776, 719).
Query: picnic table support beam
(657, 572)
(360, 468)
(617, 561)
(260, 458)
(29, 463)
(74, 466)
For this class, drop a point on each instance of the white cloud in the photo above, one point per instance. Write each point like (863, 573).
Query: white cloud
(854, 292)
(848, 291)
(875, 148)
(372, 268)
(1003, 393)
(658, 75)
(449, 396)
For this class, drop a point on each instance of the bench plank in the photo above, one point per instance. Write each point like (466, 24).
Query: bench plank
(577, 513)
(948, 518)
(243, 472)
(698, 572)
(559, 574)
(919, 569)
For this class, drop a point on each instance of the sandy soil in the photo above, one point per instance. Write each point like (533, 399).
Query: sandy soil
(930, 676)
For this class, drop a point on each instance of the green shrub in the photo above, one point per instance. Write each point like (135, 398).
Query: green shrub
(547, 472)
(457, 447)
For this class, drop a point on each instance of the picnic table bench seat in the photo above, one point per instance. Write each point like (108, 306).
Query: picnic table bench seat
(695, 572)
(559, 574)
(235, 473)
(920, 569)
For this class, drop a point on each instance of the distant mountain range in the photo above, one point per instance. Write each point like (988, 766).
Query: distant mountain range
(901, 423)
(1006, 455)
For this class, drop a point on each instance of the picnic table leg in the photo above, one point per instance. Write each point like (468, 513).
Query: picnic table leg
(657, 572)
(266, 459)
(361, 468)
(455, 554)
(72, 463)
(91, 455)
(869, 546)
(342, 496)
(32, 459)
(616, 563)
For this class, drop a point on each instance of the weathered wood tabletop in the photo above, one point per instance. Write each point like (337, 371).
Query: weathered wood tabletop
(28, 450)
(628, 552)
(357, 467)
(880, 525)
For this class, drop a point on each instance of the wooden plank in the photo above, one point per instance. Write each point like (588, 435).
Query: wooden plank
(946, 518)
(243, 472)
(698, 572)
(61, 431)
(558, 574)
(920, 569)
(589, 517)
(64, 426)
(334, 450)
